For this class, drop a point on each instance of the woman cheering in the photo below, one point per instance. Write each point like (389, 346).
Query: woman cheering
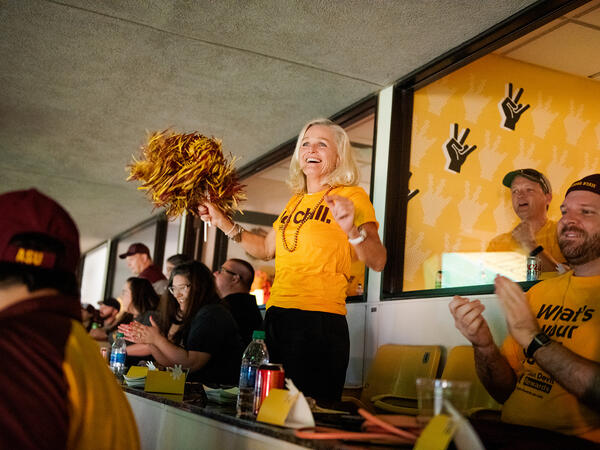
(207, 340)
(327, 223)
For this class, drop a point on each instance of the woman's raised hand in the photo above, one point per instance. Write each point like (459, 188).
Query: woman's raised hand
(208, 212)
(342, 210)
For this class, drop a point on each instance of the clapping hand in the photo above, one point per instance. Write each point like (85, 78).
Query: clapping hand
(469, 320)
(522, 324)
(457, 149)
(139, 333)
(512, 109)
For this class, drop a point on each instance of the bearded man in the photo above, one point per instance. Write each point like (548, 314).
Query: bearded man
(547, 373)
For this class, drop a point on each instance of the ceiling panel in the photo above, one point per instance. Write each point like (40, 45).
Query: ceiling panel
(84, 81)
(569, 48)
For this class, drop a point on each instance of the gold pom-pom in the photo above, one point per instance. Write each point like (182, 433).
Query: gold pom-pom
(182, 171)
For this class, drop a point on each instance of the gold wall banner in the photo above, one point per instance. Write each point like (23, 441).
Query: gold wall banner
(470, 129)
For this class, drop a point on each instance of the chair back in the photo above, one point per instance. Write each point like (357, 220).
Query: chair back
(460, 365)
(391, 380)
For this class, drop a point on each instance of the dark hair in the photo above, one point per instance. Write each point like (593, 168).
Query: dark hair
(143, 296)
(202, 292)
(246, 279)
(36, 278)
(178, 259)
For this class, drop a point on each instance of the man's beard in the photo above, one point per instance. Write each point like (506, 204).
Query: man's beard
(585, 252)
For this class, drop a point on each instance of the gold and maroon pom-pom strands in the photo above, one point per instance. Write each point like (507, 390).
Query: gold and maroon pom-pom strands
(181, 171)
(304, 220)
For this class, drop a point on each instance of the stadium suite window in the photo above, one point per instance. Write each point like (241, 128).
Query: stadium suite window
(469, 130)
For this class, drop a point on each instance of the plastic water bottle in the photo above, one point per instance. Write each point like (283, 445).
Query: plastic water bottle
(118, 354)
(254, 355)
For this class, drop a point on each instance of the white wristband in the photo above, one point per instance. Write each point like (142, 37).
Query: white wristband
(232, 228)
(360, 238)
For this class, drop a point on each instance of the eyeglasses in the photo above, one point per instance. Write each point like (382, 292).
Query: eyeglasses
(177, 289)
(224, 269)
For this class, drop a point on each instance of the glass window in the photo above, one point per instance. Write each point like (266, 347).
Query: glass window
(95, 265)
(470, 129)
(171, 240)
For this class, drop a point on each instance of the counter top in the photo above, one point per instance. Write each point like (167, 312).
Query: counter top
(197, 403)
(493, 434)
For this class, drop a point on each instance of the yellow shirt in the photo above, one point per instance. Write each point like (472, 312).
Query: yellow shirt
(315, 276)
(568, 310)
(546, 237)
(100, 415)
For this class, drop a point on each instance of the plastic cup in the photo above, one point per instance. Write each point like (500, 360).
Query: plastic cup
(431, 394)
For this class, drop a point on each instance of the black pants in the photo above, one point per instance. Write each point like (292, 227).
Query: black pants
(314, 348)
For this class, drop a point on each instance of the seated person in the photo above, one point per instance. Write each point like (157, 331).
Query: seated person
(207, 342)
(174, 260)
(547, 373)
(140, 263)
(531, 195)
(109, 313)
(57, 392)
(141, 301)
(88, 314)
(233, 281)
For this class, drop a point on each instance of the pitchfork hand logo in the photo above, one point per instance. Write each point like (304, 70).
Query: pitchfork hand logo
(456, 149)
(511, 109)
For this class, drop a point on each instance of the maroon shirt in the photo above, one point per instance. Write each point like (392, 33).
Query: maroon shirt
(34, 404)
(152, 274)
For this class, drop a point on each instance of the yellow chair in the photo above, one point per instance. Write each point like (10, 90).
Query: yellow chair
(391, 381)
(460, 365)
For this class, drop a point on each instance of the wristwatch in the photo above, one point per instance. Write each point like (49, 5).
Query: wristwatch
(361, 237)
(539, 340)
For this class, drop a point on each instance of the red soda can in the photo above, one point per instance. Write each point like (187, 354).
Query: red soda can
(268, 376)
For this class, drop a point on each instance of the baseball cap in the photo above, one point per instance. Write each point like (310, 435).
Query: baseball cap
(111, 301)
(135, 248)
(530, 174)
(28, 216)
(590, 183)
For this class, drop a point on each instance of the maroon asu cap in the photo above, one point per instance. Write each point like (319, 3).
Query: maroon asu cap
(27, 216)
(134, 249)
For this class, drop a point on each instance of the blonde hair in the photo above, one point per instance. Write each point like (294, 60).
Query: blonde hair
(346, 171)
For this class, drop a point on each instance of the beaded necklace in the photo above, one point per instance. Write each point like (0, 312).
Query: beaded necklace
(304, 220)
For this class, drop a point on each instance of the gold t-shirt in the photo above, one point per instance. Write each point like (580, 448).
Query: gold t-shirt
(546, 237)
(315, 276)
(568, 310)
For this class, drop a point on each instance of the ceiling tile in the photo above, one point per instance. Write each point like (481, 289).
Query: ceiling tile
(567, 49)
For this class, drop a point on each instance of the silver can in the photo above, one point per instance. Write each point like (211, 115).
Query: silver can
(533, 268)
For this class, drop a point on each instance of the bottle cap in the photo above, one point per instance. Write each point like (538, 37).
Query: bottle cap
(258, 334)
(120, 335)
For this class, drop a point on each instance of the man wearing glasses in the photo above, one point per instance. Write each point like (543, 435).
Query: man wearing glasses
(233, 280)
(531, 195)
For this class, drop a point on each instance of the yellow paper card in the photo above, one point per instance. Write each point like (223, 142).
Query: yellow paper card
(164, 382)
(137, 372)
(437, 434)
(276, 407)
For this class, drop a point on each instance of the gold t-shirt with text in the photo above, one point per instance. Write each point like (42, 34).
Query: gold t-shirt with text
(315, 276)
(567, 309)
